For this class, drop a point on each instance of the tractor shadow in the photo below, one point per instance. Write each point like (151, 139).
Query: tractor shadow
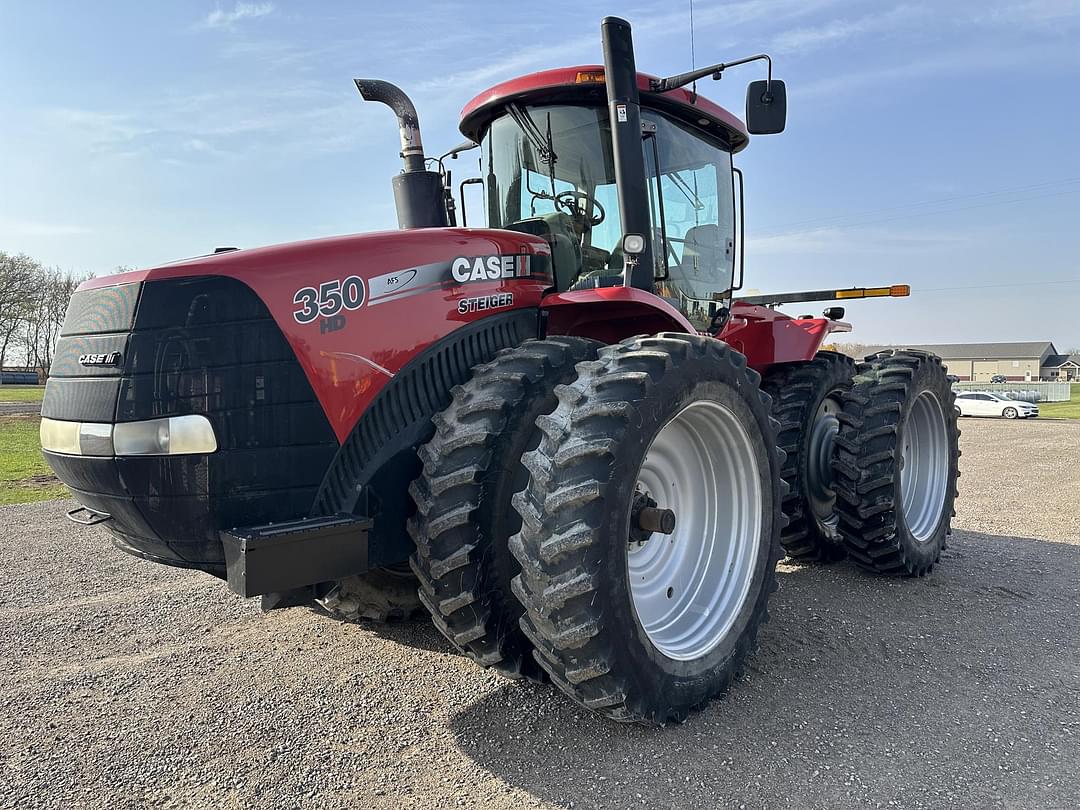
(863, 690)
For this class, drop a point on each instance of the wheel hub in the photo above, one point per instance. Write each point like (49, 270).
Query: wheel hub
(645, 519)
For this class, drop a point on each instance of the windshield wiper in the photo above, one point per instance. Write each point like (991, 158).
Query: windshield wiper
(543, 146)
(691, 196)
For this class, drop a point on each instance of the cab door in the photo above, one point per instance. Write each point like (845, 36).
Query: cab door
(691, 199)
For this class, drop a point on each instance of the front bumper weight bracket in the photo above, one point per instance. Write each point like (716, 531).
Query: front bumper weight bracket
(286, 556)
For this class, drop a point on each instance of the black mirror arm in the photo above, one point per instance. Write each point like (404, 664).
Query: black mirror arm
(682, 79)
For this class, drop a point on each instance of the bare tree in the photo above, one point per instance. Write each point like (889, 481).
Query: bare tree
(33, 302)
(17, 280)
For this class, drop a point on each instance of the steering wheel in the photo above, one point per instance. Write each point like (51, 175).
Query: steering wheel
(569, 201)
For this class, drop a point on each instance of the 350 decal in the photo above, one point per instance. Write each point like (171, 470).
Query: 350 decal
(329, 299)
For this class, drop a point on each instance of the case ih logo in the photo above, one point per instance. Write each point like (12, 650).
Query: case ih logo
(110, 359)
(490, 268)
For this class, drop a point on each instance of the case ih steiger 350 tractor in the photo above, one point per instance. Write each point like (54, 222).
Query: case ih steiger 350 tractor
(566, 435)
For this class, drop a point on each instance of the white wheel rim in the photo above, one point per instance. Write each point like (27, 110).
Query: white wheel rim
(924, 473)
(689, 587)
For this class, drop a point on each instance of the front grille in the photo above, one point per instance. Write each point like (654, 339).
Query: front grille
(204, 345)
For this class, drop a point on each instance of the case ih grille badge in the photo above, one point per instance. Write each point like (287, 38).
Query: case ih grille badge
(109, 359)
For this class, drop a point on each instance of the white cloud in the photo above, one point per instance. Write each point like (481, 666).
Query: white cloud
(1032, 14)
(805, 39)
(648, 26)
(220, 18)
(942, 65)
(855, 239)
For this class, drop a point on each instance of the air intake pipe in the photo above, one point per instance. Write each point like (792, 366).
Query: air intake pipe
(418, 193)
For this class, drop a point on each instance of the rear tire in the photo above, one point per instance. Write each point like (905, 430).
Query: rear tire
(464, 519)
(645, 627)
(807, 399)
(896, 464)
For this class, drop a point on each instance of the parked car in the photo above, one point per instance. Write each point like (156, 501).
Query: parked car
(983, 403)
(999, 378)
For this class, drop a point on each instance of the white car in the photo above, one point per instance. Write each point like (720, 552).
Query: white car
(979, 403)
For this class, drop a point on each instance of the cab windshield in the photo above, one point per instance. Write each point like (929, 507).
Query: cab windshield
(548, 171)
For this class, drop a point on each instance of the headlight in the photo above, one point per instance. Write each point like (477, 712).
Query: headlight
(177, 435)
(172, 436)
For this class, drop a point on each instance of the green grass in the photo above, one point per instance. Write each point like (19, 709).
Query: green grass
(1063, 410)
(24, 476)
(21, 393)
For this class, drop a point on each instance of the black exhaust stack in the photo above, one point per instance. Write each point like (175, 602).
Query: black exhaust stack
(418, 193)
(620, 76)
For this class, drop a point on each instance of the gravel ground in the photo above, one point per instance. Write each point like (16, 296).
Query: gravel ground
(125, 684)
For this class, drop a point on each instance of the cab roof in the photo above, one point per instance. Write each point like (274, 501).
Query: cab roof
(585, 84)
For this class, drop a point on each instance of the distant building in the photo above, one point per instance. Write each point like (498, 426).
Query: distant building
(1062, 367)
(1028, 361)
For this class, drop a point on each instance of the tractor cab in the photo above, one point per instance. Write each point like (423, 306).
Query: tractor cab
(549, 169)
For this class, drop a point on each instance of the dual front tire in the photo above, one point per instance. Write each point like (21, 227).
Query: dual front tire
(638, 620)
(644, 626)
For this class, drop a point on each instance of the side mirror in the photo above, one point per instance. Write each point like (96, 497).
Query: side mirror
(766, 107)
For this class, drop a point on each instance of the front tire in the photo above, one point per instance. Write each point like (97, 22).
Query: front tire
(1009, 413)
(896, 464)
(472, 468)
(638, 626)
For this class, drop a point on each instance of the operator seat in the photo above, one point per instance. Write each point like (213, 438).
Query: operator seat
(703, 253)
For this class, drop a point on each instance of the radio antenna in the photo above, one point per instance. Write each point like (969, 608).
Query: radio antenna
(693, 59)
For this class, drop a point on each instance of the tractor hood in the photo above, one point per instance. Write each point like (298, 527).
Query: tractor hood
(355, 309)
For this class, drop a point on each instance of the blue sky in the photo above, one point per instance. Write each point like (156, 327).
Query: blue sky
(931, 143)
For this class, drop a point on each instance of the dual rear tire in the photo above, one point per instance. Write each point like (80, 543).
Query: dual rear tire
(872, 452)
(896, 463)
(807, 402)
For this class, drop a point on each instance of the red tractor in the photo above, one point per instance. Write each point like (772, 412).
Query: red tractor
(565, 434)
